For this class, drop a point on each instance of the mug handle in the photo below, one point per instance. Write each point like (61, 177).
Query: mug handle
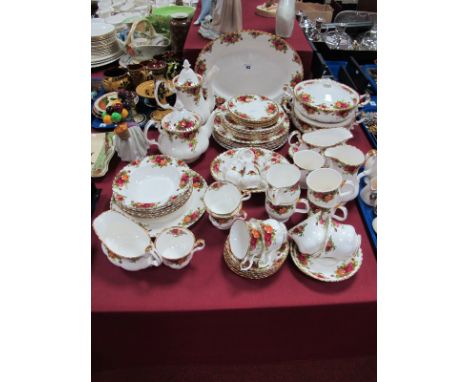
(364, 99)
(344, 210)
(156, 88)
(303, 210)
(150, 123)
(198, 246)
(292, 135)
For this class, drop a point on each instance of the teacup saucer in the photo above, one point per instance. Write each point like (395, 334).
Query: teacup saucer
(185, 216)
(326, 269)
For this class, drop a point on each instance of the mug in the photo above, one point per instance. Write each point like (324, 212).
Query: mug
(282, 184)
(176, 246)
(307, 161)
(325, 188)
(331, 212)
(284, 212)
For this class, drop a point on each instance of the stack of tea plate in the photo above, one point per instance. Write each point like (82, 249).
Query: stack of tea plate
(251, 121)
(323, 104)
(104, 45)
(159, 192)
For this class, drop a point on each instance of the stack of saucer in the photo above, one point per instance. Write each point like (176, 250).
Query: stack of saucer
(153, 187)
(323, 104)
(251, 121)
(104, 45)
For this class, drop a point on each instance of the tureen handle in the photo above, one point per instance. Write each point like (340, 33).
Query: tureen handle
(150, 123)
(165, 106)
(198, 246)
(364, 99)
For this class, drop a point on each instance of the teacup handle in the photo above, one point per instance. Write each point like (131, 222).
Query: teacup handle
(150, 123)
(156, 91)
(292, 135)
(364, 99)
(246, 196)
(344, 210)
(199, 245)
(249, 261)
(156, 259)
(303, 210)
(351, 191)
(241, 216)
(359, 118)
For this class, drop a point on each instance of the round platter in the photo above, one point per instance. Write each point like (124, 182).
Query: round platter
(185, 216)
(263, 160)
(327, 270)
(248, 62)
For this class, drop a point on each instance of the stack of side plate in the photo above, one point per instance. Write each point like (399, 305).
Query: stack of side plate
(251, 121)
(104, 45)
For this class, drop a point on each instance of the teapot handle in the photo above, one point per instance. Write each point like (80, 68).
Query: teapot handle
(150, 123)
(156, 91)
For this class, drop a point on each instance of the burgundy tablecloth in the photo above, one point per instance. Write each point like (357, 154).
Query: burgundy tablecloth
(206, 313)
(195, 42)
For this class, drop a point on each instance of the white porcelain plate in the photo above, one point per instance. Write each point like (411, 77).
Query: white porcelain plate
(326, 269)
(101, 29)
(250, 62)
(185, 216)
(263, 160)
(153, 182)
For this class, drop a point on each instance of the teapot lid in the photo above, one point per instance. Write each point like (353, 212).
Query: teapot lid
(187, 76)
(180, 120)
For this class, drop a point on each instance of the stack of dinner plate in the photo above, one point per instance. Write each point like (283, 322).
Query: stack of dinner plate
(152, 187)
(251, 121)
(104, 45)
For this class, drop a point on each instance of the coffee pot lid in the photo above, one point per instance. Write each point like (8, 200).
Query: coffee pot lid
(187, 76)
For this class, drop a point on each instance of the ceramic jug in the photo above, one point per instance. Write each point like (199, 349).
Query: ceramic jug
(193, 91)
(285, 17)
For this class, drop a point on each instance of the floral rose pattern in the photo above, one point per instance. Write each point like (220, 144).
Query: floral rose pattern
(254, 236)
(268, 234)
(296, 78)
(192, 217)
(280, 210)
(160, 160)
(346, 269)
(255, 34)
(121, 179)
(299, 230)
(142, 205)
(278, 43)
(325, 196)
(176, 232)
(330, 246)
(231, 38)
(216, 166)
(200, 67)
(197, 182)
(184, 180)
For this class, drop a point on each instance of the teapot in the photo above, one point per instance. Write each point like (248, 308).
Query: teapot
(193, 91)
(181, 134)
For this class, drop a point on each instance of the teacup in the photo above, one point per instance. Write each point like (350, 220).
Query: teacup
(325, 188)
(274, 234)
(125, 243)
(284, 212)
(282, 184)
(223, 202)
(116, 78)
(176, 246)
(369, 192)
(307, 161)
(226, 223)
(246, 242)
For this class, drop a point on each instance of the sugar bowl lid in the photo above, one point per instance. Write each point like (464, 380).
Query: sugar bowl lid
(187, 76)
(181, 120)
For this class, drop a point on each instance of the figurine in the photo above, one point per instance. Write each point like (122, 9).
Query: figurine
(226, 18)
(130, 142)
(205, 11)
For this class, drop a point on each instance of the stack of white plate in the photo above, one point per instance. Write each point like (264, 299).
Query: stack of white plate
(104, 45)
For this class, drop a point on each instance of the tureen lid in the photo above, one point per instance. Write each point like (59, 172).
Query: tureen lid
(180, 120)
(187, 76)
